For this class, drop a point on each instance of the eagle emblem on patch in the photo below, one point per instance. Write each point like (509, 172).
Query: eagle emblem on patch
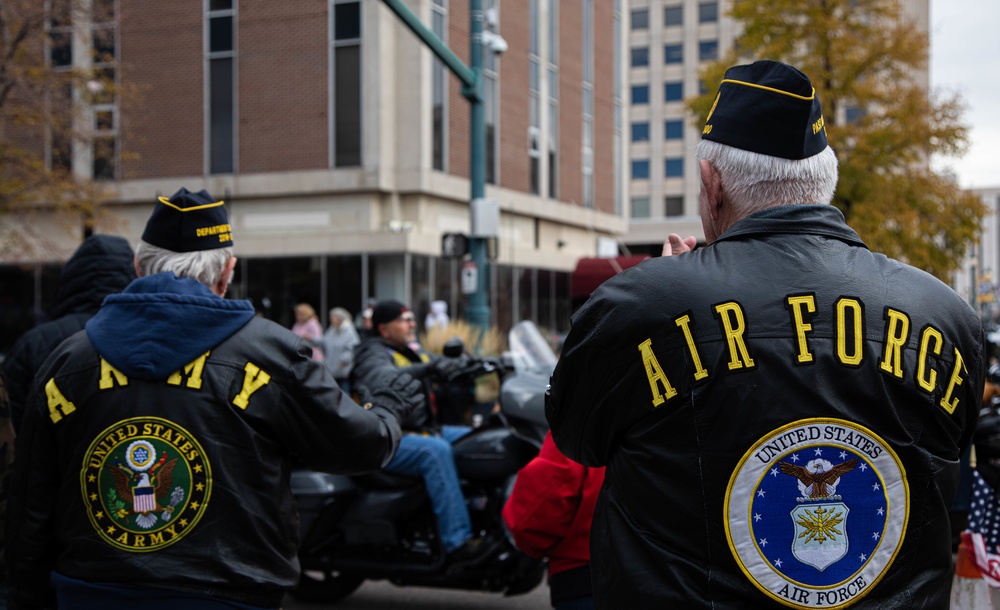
(816, 512)
(146, 482)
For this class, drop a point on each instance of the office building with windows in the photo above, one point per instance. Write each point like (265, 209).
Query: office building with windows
(341, 145)
(668, 42)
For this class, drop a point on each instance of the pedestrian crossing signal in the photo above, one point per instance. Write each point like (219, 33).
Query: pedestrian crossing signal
(454, 245)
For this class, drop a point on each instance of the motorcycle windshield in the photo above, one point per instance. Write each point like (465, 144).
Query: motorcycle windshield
(529, 349)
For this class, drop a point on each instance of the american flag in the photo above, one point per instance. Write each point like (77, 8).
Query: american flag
(143, 501)
(984, 513)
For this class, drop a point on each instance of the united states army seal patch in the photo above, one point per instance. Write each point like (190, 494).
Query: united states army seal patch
(816, 512)
(146, 483)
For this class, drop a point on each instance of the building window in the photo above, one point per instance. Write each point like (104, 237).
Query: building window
(345, 51)
(534, 99)
(439, 90)
(708, 50)
(673, 54)
(640, 132)
(640, 57)
(673, 130)
(640, 19)
(708, 12)
(587, 168)
(553, 98)
(617, 136)
(101, 91)
(640, 94)
(640, 207)
(674, 168)
(673, 206)
(673, 16)
(640, 169)
(673, 92)
(221, 88)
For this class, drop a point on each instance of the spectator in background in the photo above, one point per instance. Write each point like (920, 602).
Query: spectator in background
(364, 320)
(307, 326)
(102, 265)
(438, 316)
(549, 514)
(338, 346)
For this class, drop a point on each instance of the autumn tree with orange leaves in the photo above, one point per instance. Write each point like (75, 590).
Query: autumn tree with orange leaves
(865, 58)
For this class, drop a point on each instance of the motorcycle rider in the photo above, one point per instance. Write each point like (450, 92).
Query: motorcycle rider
(425, 449)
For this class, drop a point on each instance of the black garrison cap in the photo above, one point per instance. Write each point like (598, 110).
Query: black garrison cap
(189, 222)
(770, 108)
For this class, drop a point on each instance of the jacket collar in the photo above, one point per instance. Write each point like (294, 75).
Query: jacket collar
(801, 219)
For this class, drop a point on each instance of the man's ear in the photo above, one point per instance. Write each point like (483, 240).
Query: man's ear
(135, 263)
(225, 277)
(711, 184)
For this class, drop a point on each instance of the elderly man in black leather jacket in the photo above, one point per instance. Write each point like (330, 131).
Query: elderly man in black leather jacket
(154, 457)
(782, 412)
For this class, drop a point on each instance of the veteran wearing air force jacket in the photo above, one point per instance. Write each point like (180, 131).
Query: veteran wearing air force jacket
(782, 412)
(153, 462)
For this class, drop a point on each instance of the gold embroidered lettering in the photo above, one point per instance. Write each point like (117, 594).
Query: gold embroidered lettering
(896, 334)
(854, 306)
(193, 370)
(110, 375)
(733, 323)
(927, 376)
(253, 380)
(796, 304)
(948, 403)
(58, 405)
(655, 374)
(684, 323)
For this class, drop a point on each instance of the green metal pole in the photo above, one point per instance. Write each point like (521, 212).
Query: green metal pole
(478, 312)
(479, 307)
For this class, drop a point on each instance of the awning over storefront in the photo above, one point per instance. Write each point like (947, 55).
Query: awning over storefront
(592, 272)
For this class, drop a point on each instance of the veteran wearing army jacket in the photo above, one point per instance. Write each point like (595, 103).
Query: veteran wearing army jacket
(152, 466)
(781, 412)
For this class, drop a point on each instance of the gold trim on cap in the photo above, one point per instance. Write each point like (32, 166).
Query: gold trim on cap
(166, 201)
(756, 86)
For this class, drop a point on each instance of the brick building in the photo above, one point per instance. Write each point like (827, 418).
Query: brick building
(341, 145)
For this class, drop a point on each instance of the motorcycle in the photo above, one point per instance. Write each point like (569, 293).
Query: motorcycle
(381, 526)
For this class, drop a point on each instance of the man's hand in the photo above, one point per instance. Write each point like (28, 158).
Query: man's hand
(675, 245)
(443, 368)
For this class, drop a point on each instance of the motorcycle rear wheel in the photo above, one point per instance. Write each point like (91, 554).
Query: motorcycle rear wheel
(326, 585)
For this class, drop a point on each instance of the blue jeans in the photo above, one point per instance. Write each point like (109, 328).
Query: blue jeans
(430, 457)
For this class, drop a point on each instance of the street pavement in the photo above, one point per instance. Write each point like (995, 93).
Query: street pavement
(382, 595)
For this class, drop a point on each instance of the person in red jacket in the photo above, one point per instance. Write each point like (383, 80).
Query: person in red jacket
(549, 514)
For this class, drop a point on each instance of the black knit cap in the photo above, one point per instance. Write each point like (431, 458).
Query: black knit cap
(189, 222)
(387, 311)
(770, 108)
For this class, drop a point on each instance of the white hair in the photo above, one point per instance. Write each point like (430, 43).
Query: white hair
(206, 266)
(753, 182)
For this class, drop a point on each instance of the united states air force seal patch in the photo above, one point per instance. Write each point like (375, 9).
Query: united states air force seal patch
(816, 512)
(146, 483)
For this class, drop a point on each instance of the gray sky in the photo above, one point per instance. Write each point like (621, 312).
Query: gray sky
(965, 58)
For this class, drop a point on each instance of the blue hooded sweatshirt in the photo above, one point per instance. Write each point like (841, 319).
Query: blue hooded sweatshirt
(161, 322)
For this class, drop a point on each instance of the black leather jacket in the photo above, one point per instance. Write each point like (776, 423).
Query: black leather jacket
(128, 475)
(782, 415)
